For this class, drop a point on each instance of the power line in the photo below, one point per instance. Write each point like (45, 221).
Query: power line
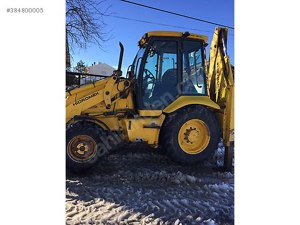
(160, 24)
(177, 14)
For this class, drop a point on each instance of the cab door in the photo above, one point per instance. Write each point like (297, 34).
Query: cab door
(158, 77)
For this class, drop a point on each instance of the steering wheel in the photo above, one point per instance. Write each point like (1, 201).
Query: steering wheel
(149, 75)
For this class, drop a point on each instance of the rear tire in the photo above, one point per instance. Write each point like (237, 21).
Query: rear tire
(190, 135)
(84, 146)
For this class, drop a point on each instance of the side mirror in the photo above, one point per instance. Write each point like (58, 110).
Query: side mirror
(130, 72)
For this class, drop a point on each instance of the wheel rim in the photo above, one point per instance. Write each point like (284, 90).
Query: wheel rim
(193, 136)
(82, 148)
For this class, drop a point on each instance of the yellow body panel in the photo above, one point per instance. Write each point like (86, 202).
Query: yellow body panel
(139, 129)
(100, 108)
(190, 100)
(175, 34)
(150, 113)
(144, 39)
(112, 122)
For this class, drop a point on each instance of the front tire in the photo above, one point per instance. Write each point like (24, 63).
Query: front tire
(83, 146)
(190, 135)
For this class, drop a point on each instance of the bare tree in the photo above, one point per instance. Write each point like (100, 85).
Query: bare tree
(84, 24)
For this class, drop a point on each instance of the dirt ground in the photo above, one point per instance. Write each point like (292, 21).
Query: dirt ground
(140, 185)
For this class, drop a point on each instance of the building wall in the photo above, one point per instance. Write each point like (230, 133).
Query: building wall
(101, 69)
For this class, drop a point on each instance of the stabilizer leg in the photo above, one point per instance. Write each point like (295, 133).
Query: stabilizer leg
(228, 157)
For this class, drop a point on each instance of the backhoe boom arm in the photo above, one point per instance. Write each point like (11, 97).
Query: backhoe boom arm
(220, 83)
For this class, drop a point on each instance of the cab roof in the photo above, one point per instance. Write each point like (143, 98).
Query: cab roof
(171, 34)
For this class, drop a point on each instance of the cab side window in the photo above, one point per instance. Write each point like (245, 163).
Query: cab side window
(193, 68)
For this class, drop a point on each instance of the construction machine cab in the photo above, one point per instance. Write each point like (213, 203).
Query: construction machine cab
(169, 65)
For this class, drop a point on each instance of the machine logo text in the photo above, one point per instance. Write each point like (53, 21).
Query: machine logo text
(85, 98)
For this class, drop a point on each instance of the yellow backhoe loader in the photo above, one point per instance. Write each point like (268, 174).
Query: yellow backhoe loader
(171, 97)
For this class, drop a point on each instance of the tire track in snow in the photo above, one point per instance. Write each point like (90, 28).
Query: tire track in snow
(145, 187)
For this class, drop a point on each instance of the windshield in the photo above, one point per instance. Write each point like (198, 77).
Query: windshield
(137, 61)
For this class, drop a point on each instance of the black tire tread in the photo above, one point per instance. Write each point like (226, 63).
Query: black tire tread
(88, 128)
(173, 121)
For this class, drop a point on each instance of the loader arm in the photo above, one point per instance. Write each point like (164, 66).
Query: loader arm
(103, 94)
(220, 83)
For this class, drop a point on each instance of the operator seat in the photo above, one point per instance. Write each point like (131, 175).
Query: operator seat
(169, 80)
(167, 87)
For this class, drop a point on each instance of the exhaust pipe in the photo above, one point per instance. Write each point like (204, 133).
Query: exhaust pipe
(118, 72)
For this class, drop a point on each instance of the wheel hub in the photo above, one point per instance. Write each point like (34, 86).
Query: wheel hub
(82, 148)
(193, 136)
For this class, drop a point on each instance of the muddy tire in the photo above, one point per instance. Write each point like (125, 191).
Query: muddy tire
(85, 145)
(190, 135)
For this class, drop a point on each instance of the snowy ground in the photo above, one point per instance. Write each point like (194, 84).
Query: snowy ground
(139, 185)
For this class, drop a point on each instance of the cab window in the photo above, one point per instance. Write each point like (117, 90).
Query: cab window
(193, 73)
(159, 78)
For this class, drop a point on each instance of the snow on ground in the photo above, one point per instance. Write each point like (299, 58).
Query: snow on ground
(140, 185)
